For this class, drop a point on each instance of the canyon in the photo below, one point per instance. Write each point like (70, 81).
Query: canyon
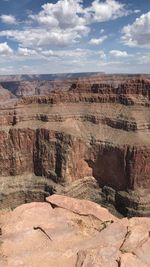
(85, 137)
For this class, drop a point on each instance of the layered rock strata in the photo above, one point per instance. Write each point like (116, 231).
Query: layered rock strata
(92, 127)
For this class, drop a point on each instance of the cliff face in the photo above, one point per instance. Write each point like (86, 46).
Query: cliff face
(40, 151)
(91, 127)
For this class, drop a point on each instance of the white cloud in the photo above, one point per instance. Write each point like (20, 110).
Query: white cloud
(42, 37)
(48, 54)
(118, 53)
(98, 41)
(104, 11)
(137, 11)
(8, 19)
(75, 60)
(26, 52)
(71, 13)
(64, 14)
(63, 23)
(138, 33)
(5, 49)
(142, 58)
(102, 31)
(59, 24)
(76, 53)
(102, 54)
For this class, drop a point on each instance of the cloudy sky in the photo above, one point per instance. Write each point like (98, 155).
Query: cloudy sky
(41, 36)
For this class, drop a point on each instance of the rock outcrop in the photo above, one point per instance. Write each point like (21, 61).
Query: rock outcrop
(60, 132)
(70, 232)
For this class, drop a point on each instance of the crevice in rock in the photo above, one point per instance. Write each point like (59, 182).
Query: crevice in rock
(41, 229)
(125, 238)
(81, 256)
(119, 262)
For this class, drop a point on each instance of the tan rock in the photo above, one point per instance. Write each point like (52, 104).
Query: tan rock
(143, 251)
(81, 207)
(130, 260)
(36, 234)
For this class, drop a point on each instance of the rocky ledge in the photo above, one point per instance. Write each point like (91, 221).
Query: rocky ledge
(67, 232)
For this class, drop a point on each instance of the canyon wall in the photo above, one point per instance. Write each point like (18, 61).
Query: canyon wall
(96, 126)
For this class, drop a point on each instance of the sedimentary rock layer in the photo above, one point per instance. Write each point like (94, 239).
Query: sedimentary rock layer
(96, 127)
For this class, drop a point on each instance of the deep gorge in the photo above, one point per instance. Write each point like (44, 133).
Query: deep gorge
(48, 142)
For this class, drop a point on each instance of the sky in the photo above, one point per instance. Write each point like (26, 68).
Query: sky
(59, 36)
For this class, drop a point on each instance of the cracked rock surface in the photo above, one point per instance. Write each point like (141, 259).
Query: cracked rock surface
(68, 232)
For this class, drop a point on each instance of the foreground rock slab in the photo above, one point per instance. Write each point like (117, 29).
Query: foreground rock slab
(68, 232)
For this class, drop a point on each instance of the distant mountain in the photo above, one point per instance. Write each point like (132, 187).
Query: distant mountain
(46, 77)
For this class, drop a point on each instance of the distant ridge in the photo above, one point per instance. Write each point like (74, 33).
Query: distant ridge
(46, 77)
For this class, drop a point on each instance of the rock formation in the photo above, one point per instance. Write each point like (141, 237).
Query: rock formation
(67, 232)
(55, 133)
